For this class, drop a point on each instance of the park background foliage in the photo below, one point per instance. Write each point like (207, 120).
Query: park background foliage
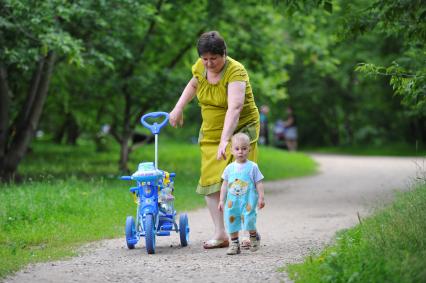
(354, 71)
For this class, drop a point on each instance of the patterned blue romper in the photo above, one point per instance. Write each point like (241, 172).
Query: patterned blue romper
(241, 200)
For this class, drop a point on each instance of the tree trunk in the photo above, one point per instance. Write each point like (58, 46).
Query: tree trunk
(4, 111)
(73, 131)
(127, 131)
(124, 154)
(26, 125)
(334, 132)
(4, 119)
(22, 118)
(59, 133)
(68, 129)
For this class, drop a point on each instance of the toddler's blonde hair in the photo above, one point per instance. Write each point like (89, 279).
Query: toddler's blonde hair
(240, 138)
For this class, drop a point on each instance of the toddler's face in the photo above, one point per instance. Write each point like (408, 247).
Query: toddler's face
(240, 151)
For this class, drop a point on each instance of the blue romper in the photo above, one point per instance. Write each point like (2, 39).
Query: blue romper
(241, 200)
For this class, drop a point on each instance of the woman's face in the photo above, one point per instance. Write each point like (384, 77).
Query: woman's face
(213, 62)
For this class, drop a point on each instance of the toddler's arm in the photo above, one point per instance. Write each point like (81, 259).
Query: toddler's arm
(261, 194)
(222, 195)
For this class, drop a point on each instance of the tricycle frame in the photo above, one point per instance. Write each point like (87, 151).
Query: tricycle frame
(151, 219)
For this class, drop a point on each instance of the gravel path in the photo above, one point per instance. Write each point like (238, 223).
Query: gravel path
(301, 215)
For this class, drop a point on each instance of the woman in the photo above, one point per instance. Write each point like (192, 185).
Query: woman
(223, 90)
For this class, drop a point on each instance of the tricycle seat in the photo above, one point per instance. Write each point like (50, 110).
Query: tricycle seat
(147, 173)
(148, 178)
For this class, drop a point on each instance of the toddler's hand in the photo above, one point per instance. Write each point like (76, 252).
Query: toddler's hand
(220, 206)
(261, 203)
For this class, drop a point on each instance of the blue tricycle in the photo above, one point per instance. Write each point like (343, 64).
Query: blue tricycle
(155, 214)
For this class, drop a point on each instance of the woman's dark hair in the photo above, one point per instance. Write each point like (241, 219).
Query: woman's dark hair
(211, 42)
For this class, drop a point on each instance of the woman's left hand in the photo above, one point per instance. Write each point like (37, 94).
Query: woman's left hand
(221, 151)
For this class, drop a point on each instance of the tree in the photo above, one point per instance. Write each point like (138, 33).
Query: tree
(338, 105)
(157, 51)
(159, 72)
(33, 39)
(141, 79)
(398, 19)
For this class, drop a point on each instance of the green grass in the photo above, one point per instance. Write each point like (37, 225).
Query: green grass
(390, 246)
(72, 195)
(374, 150)
(278, 164)
(46, 220)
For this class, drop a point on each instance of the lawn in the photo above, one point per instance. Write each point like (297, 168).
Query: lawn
(72, 195)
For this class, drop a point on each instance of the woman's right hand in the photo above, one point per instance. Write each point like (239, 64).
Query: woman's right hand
(176, 117)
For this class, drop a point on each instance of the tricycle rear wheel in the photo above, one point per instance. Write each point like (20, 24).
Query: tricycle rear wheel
(130, 232)
(183, 229)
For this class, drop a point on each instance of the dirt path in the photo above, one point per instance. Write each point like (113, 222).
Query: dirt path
(301, 215)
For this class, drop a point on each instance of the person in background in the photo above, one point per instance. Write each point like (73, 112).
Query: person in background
(279, 131)
(264, 133)
(223, 90)
(290, 132)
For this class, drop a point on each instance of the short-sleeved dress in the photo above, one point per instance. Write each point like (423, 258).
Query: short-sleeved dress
(213, 100)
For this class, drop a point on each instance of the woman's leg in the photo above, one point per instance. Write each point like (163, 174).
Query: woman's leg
(212, 201)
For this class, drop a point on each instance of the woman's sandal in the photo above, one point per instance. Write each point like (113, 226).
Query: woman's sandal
(215, 244)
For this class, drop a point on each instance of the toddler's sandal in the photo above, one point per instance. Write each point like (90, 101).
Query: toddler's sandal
(245, 244)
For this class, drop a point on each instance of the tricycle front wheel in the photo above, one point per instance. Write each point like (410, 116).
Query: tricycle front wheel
(150, 234)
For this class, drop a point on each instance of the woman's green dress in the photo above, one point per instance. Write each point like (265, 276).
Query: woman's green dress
(214, 104)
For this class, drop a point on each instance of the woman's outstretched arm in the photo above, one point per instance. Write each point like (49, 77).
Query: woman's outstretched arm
(176, 115)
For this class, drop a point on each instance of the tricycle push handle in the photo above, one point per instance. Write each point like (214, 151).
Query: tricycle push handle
(155, 128)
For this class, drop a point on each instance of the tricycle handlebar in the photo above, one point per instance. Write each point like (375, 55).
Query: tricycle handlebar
(155, 128)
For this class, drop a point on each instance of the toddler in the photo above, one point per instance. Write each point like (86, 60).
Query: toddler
(242, 186)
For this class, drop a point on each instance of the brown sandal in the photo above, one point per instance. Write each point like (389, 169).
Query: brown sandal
(215, 244)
